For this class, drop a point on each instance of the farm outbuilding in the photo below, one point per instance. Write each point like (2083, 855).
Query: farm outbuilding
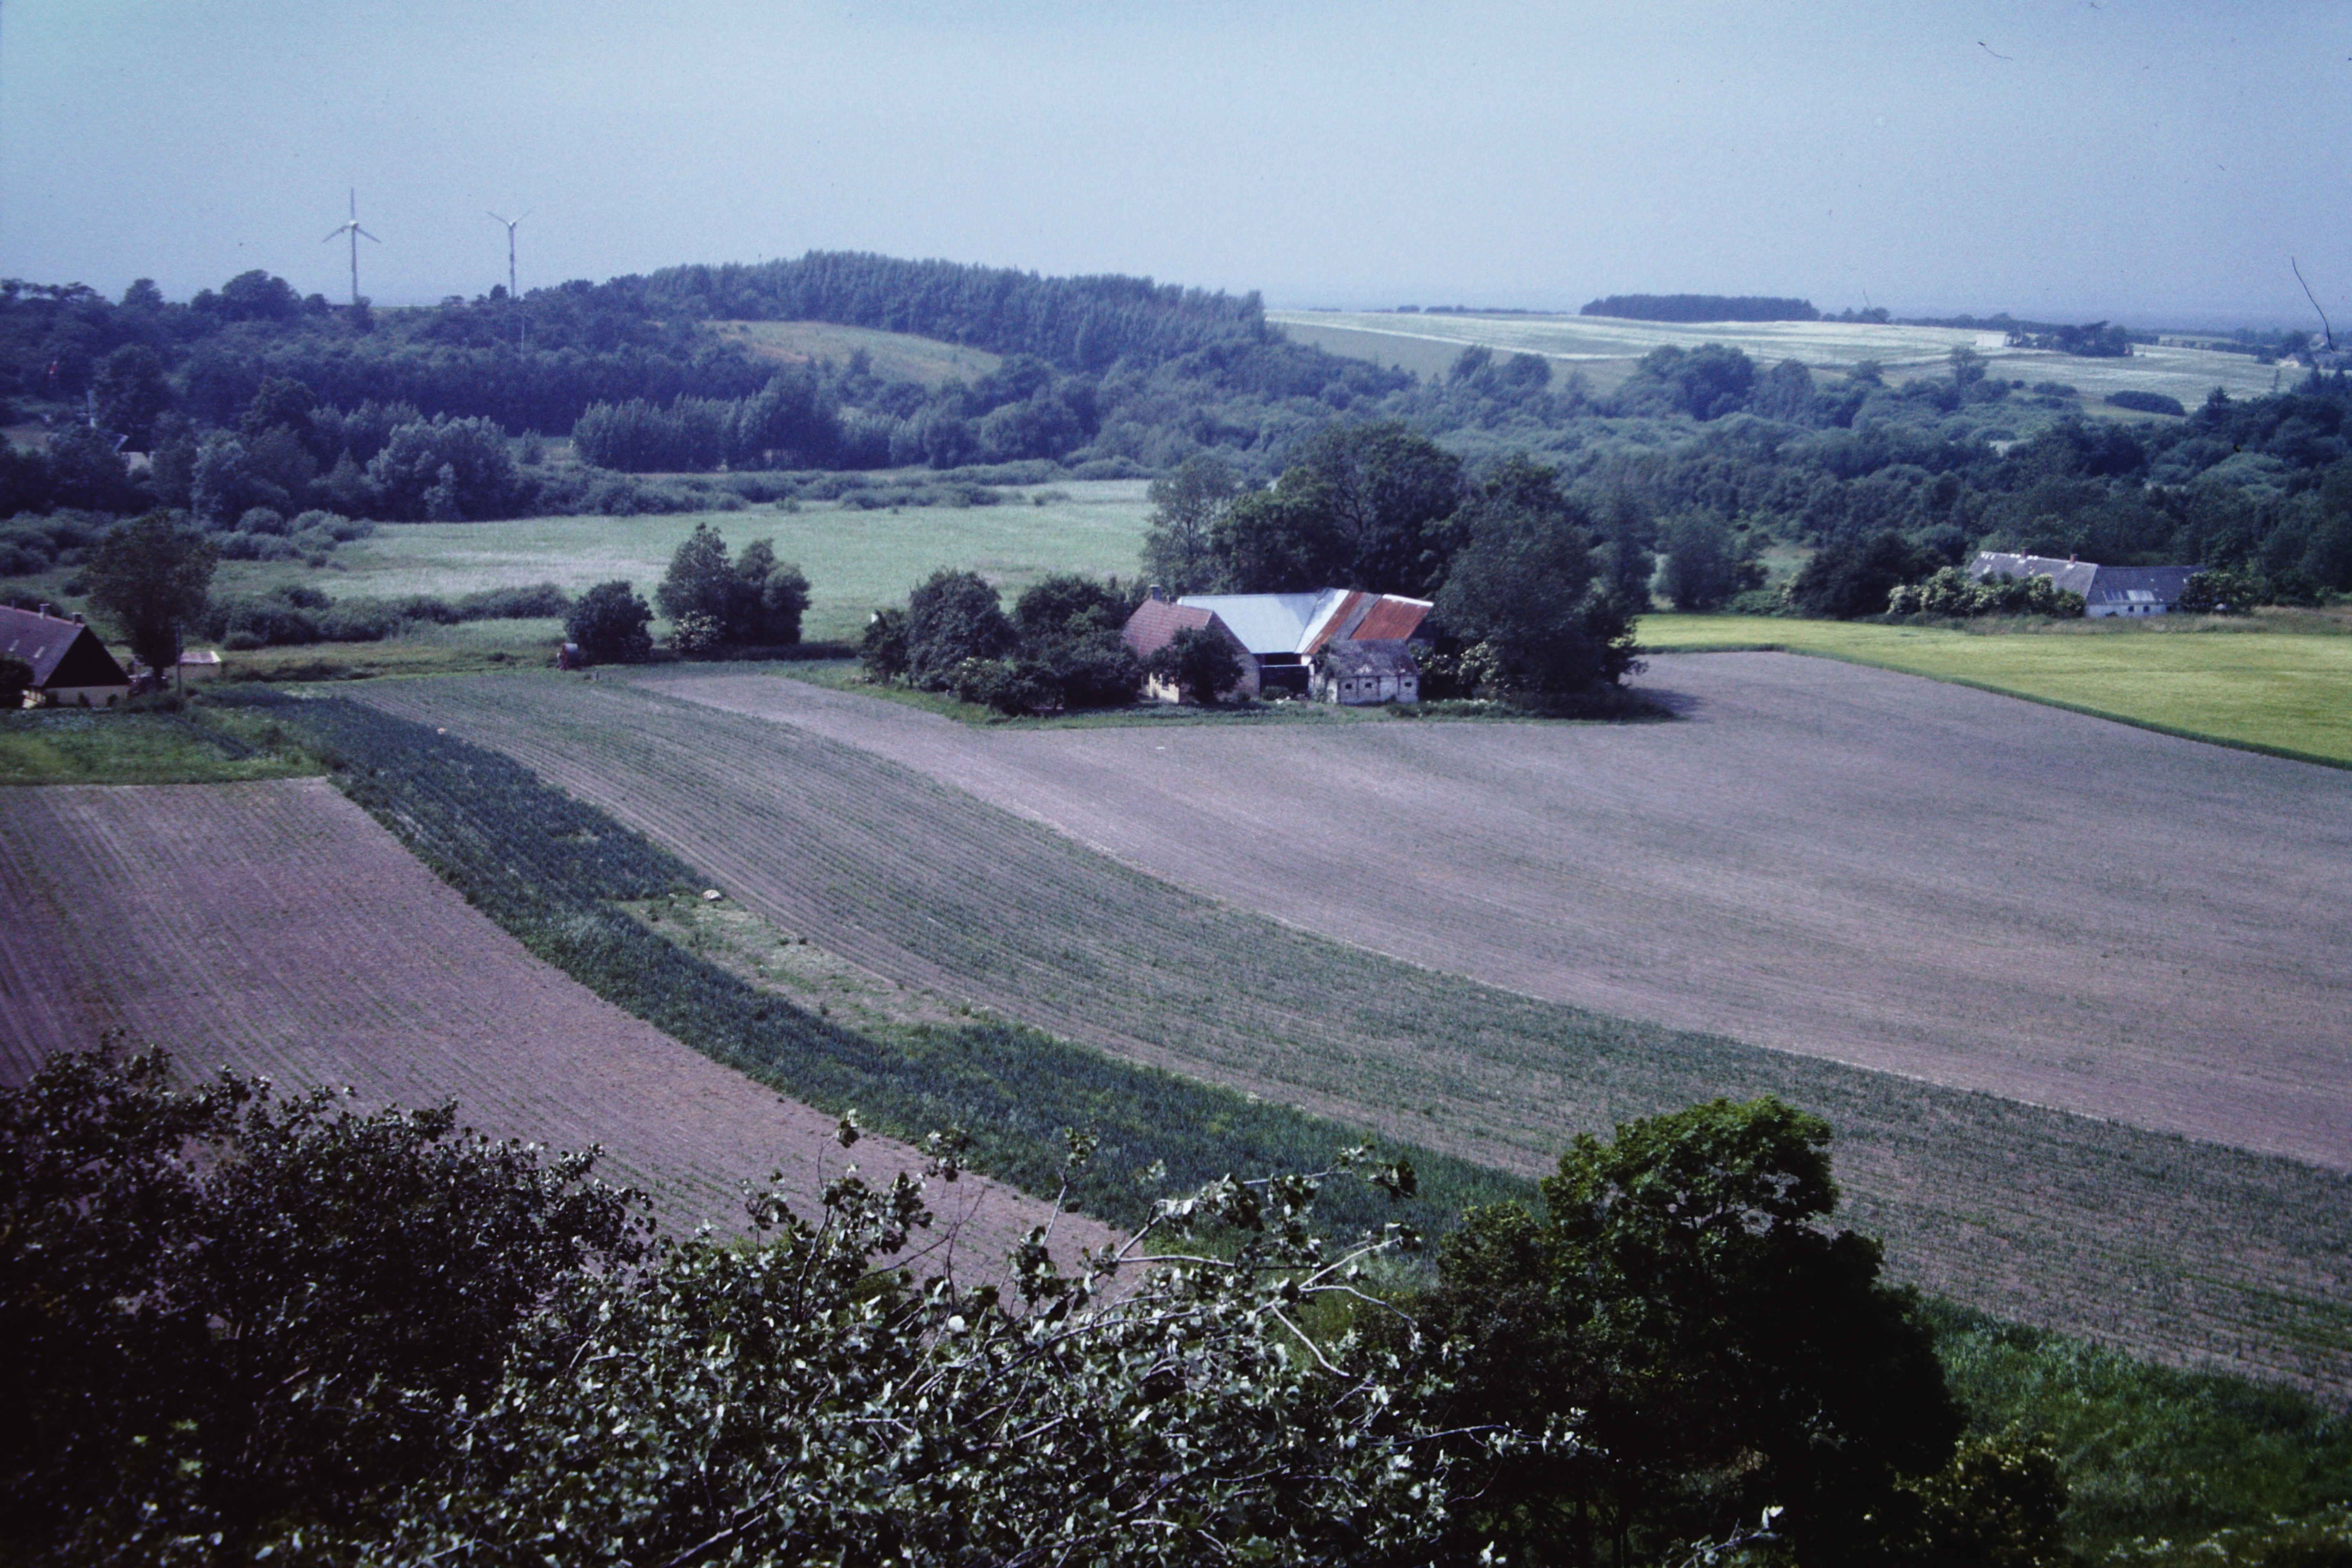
(1156, 622)
(2105, 590)
(1289, 639)
(71, 669)
(1362, 671)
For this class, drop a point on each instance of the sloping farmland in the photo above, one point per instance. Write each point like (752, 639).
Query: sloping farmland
(276, 928)
(1843, 862)
(2188, 1250)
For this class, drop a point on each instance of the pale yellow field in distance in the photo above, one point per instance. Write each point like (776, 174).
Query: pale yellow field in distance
(856, 560)
(1603, 346)
(2285, 689)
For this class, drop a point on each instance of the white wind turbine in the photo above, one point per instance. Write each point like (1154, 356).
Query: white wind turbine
(352, 228)
(513, 294)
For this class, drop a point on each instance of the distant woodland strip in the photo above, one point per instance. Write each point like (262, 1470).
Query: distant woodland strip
(1702, 308)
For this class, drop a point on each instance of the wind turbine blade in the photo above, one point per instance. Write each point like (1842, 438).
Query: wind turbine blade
(336, 236)
(357, 229)
(495, 219)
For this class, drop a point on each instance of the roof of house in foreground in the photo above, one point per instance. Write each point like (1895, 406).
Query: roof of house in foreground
(62, 652)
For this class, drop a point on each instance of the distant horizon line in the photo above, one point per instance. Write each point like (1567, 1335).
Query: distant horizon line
(2207, 319)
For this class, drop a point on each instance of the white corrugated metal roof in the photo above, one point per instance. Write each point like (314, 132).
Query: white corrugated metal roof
(1267, 623)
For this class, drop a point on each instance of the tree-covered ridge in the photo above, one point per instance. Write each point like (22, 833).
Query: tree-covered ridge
(1084, 323)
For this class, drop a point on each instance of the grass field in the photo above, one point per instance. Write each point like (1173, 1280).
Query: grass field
(856, 560)
(70, 745)
(2184, 1249)
(1605, 349)
(2286, 691)
(896, 356)
(276, 928)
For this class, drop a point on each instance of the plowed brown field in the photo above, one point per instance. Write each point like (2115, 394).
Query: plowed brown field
(276, 928)
(1894, 872)
(2189, 1249)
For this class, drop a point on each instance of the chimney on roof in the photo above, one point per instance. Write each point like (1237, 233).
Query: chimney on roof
(78, 620)
(1156, 592)
(45, 609)
(2070, 558)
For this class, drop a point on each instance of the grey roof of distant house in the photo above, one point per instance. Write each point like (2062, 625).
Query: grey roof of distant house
(2098, 584)
(55, 646)
(2139, 584)
(2074, 576)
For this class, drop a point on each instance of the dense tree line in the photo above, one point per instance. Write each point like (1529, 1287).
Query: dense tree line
(1079, 324)
(260, 1328)
(1702, 308)
(252, 401)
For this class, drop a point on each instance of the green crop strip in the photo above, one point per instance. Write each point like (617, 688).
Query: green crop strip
(553, 871)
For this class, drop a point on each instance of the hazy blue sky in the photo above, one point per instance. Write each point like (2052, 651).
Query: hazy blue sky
(2077, 158)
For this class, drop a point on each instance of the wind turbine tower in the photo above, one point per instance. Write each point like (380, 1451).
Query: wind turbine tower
(513, 294)
(352, 228)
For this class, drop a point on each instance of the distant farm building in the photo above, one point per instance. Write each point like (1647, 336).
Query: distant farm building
(2105, 590)
(1363, 671)
(71, 669)
(1337, 645)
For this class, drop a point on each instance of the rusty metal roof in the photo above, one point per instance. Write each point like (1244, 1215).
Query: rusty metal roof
(1390, 618)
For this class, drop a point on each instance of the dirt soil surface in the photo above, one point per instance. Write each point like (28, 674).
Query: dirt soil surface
(1872, 867)
(2193, 1251)
(276, 928)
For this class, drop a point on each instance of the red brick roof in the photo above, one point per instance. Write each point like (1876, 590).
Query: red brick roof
(1156, 622)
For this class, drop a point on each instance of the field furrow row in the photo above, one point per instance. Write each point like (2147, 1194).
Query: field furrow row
(2187, 1249)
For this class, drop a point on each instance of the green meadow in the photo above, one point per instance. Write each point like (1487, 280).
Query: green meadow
(2281, 682)
(856, 559)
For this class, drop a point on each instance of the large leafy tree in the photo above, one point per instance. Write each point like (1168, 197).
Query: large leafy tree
(609, 623)
(952, 616)
(1727, 1348)
(1528, 596)
(1704, 565)
(1855, 575)
(754, 598)
(1361, 506)
(1186, 505)
(225, 1309)
(152, 575)
(787, 1402)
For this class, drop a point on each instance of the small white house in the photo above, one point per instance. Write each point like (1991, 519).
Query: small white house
(2105, 590)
